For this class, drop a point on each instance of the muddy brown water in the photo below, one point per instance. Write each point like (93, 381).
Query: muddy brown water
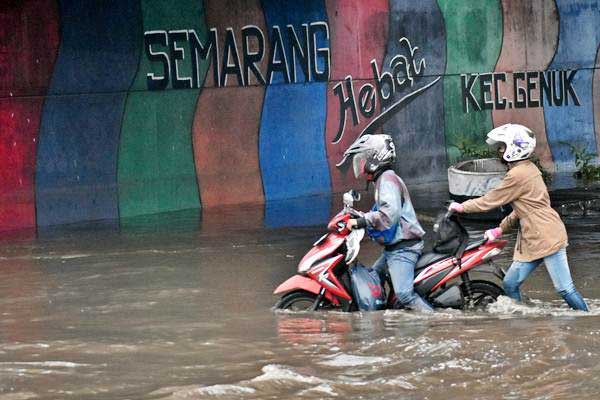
(172, 308)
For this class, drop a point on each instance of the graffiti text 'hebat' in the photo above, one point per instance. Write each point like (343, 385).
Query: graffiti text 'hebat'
(401, 74)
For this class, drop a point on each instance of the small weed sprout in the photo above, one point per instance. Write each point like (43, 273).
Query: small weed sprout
(583, 162)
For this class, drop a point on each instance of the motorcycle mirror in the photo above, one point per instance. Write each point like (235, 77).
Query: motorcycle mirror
(348, 199)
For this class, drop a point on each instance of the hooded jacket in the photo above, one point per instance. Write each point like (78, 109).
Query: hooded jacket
(541, 231)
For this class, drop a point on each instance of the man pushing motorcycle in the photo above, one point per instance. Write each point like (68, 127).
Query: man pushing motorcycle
(392, 221)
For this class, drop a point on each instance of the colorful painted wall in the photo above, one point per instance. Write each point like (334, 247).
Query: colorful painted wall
(116, 109)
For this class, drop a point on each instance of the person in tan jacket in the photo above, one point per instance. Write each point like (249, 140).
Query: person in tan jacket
(541, 236)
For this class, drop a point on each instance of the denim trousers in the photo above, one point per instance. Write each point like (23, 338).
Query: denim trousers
(558, 268)
(400, 265)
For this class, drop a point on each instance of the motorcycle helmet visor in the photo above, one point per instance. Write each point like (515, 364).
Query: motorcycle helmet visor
(493, 144)
(359, 162)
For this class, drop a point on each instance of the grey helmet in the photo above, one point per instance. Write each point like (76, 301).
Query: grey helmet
(371, 153)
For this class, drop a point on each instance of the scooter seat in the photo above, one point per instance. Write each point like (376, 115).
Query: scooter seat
(428, 259)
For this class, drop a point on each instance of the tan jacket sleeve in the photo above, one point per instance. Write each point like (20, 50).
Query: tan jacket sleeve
(510, 221)
(509, 189)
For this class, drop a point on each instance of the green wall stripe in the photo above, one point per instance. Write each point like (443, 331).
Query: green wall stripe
(156, 158)
(474, 41)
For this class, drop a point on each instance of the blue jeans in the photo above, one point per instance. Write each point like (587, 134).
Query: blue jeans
(400, 264)
(558, 268)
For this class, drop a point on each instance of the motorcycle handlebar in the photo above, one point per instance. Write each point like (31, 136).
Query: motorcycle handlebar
(449, 211)
(354, 213)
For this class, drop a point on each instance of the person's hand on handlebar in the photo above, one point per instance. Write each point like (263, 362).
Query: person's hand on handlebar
(493, 234)
(351, 224)
(455, 207)
(356, 223)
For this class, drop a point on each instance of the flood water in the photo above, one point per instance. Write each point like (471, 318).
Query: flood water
(179, 307)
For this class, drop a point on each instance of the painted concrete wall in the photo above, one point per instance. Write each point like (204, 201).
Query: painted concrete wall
(121, 108)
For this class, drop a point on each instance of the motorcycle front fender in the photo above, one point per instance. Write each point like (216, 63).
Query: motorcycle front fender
(299, 282)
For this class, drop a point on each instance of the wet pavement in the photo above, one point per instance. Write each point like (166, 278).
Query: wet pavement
(178, 306)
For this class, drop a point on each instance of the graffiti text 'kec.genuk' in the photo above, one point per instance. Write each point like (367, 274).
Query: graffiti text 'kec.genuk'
(529, 89)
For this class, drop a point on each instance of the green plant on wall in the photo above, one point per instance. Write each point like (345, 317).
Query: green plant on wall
(583, 159)
(468, 149)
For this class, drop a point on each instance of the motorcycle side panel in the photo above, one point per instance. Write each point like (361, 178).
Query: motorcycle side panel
(450, 298)
(432, 277)
(425, 286)
(323, 274)
(470, 260)
(321, 250)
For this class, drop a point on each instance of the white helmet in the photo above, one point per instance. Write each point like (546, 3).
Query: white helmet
(371, 153)
(519, 141)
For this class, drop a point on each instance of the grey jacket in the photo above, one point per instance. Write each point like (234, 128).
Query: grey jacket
(393, 209)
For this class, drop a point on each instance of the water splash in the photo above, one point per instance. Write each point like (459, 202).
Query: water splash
(507, 307)
(349, 360)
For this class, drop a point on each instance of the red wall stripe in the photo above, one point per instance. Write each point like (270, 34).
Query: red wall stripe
(358, 32)
(27, 54)
(227, 120)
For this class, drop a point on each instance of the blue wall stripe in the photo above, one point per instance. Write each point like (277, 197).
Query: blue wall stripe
(292, 134)
(578, 42)
(79, 135)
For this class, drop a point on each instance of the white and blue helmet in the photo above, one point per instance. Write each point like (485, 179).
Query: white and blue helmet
(519, 141)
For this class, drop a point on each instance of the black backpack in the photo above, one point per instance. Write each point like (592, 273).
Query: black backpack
(449, 236)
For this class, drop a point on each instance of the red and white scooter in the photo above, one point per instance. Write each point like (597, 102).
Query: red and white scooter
(323, 278)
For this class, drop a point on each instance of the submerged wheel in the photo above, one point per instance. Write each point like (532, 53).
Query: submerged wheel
(483, 294)
(299, 301)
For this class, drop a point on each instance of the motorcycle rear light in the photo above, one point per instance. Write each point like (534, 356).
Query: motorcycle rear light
(492, 253)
